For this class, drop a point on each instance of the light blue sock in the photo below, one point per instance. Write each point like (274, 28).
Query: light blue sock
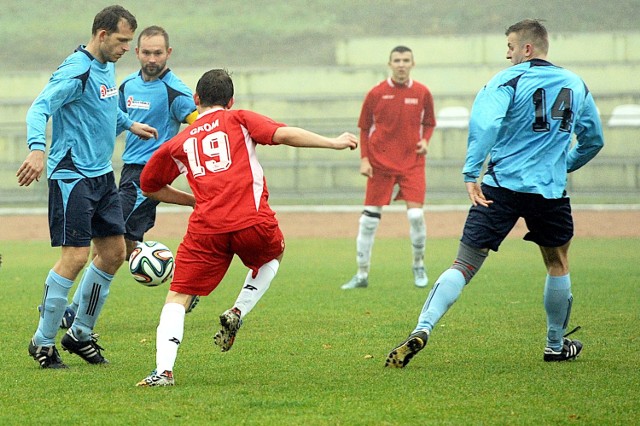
(94, 289)
(54, 301)
(557, 304)
(76, 297)
(444, 293)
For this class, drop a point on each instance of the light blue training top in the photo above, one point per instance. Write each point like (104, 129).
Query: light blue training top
(82, 99)
(163, 103)
(524, 120)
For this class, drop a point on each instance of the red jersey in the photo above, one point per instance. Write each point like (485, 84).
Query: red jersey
(217, 153)
(393, 120)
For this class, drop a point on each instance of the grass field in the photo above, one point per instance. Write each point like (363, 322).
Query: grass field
(312, 354)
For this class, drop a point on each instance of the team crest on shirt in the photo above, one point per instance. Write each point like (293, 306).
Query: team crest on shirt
(411, 101)
(108, 92)
(133, 104)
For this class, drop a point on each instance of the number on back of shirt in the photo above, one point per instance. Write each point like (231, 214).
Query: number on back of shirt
(560, 110)
(215, 147)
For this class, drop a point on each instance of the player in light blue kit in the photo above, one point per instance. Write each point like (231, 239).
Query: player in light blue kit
(523, 120)
(82, 100)
(156, 96)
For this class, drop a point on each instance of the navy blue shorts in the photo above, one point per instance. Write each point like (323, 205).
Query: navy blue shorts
(549, 221)
(83, 208)
(139, 211)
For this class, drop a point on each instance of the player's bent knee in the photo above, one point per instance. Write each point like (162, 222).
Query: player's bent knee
(469, 261)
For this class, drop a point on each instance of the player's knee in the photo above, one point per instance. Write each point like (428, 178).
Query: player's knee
(370, 218)
(469, 261)
(415, 216)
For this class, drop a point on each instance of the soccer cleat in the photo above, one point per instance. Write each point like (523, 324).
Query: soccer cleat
(400, 356)
(571, 349)
(154, 379)
(47, 356)
(230, 323)
(67, 318)
(194, 302)
(88, 350)
(420, 276)
(356, 282)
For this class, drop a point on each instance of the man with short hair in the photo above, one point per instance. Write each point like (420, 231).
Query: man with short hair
(84, 208)
(153, 95)
(231, 215)
(523, 120)
(396, 124)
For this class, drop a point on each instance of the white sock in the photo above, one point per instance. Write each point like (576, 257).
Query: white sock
(169, 336)
(417, 234)
(254, 288)
(366, 235)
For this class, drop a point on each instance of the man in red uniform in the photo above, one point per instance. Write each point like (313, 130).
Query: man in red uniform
(396, 123)
(231, 216)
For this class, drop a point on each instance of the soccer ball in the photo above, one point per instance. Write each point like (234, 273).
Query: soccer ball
(151, 263)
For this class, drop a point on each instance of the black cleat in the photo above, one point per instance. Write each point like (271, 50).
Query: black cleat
(88, 350)
(400, 356)
(47, 356)
(571, 349)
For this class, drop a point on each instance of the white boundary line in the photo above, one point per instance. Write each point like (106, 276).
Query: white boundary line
(17, 211)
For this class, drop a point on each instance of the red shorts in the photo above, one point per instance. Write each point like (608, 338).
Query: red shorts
(202, 260)
(412, 186)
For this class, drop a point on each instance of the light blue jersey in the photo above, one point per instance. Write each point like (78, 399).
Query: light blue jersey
(524, 119)
(163, 103)
(82, 99)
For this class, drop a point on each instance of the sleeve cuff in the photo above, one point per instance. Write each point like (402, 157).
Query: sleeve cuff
(37, 146)
(469, 178)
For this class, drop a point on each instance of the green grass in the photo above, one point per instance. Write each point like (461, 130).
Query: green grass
(312, 354)
(284, 33)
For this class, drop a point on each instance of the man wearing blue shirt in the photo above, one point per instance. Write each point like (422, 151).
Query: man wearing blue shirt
(82, 100)
(156, 96)
(523, 121)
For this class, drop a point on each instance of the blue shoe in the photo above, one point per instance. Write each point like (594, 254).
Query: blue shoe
(67, 318)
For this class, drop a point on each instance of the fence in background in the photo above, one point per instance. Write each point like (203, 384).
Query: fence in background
(326, 176)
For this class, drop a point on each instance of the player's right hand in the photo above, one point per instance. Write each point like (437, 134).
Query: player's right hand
(347, 140)
(475, 194)
(31, 169)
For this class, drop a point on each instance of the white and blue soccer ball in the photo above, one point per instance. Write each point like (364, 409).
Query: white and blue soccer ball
(151, 263)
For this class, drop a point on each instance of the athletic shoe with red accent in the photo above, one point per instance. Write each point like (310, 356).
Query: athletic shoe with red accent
(230, 323)
(154, 379)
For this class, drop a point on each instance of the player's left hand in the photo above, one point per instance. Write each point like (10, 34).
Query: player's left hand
(422, 147)
(144, 131)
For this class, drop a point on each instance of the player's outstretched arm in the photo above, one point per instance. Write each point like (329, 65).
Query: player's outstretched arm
(301, 138)
(171, 195)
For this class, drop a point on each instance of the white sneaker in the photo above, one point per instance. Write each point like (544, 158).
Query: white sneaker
(355, 282)
(420, 276)
(157, 379)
